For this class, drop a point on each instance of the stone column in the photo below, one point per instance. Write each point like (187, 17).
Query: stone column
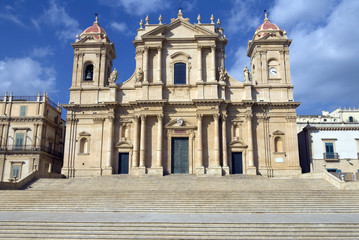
(142, 141)
(216, 141)
(135, 143)
(110, 143)
(200, 167)
(1, 134)
(224, 141)
(251, 169)
(214, 166)
(39, 136)
(159, 141)
(159, 55)
(199, 48)
(145, 66)
(213, 50)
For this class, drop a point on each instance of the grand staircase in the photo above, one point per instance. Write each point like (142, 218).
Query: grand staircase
(179, 207)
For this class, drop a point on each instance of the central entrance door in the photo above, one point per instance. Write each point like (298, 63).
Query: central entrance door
(123, 163)
(180, 155)
(237, 167)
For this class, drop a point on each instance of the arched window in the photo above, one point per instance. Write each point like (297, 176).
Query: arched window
(88, 76)
(351, 119)
(180, 73)
(278, 144)
(84, 145)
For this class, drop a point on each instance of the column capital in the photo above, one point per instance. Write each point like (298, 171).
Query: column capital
(146, 48)
(143, 116)
(216, 116)
(159, 116)
(224, 116)
(249, 116)
(199, 116)
(213, 46)
(159, 48)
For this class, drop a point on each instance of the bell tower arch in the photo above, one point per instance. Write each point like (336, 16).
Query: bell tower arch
(93, 56)
(269, 53)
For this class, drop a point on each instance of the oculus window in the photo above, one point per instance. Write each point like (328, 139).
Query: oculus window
(180, 73)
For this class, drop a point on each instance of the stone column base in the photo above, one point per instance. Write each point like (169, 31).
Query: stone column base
(157, 171)
(251, 171)
(225, 170)
(107, 171)
(138, 171)
(214, 171)
(200, 171)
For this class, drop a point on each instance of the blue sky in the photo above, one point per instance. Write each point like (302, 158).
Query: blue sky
(36, 36)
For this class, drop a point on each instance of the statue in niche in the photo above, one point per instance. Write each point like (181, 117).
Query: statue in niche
(247, 75)
(222, 74)
(139, 75)
(113, 76)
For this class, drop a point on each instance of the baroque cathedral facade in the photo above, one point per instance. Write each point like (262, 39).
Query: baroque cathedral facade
(181, 112)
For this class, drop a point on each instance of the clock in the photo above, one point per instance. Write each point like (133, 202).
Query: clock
(273, 71)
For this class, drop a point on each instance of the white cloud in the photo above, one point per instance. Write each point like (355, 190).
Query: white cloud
(241, 60)
(138, 7)
(239, 18)
(324, 60)
(25, 76)
(120, 27)
(12, 18)
(66, 27)
(42, 51)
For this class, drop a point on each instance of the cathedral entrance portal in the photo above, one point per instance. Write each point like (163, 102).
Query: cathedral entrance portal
(123, 163)
(180, 155)
(237, 165)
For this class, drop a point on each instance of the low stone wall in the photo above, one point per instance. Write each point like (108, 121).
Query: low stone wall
(27, 180)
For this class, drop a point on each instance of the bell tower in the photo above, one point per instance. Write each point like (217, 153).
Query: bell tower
(269, 53)
(93, 55)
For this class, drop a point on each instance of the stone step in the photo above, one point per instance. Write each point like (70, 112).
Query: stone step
(77, 230)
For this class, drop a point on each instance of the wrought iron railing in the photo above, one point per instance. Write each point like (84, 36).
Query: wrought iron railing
(330, 155)
(24, 98)
(14, 148)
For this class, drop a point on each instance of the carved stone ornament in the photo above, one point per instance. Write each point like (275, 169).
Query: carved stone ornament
(247, 75)
(180, 121)
(139, 75)
(222, 74)
(113, 76)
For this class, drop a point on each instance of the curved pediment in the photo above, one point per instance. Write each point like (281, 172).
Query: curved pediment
(277, 132)
(84, 134)
(237, 144)
(180, 54)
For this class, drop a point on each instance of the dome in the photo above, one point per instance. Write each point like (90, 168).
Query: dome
(95, 31)
(267, 28)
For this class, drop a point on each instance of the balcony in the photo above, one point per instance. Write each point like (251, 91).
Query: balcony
(29, 149)
(330, 157)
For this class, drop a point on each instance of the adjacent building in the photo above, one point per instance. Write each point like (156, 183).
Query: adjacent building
(329, 141)
(181, 112)
(31, 136)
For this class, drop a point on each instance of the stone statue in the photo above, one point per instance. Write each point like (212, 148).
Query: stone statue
(222, 74)
(139, 75)
(247, 75)
(113, 76)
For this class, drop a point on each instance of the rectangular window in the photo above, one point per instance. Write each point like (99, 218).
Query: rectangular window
(329, 150)
(19, 141)
(22, 111)
(15, 171)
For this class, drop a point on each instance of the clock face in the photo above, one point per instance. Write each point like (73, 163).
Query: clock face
(273, 71)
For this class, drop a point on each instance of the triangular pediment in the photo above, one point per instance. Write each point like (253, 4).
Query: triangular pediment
(180, 28)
